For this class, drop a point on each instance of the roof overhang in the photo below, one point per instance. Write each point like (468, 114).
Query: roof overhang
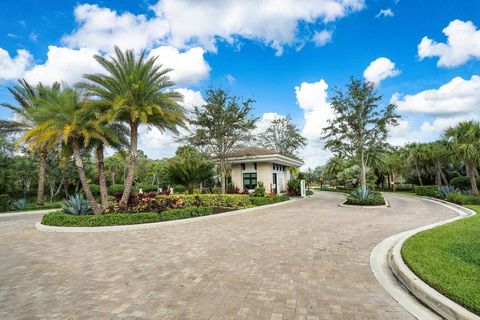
(275, 158)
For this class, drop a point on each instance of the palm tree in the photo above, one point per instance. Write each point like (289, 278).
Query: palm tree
(27, 98)
(395, 163)
(416, 153)
(464, 144)
(189, 168)
(335, 165)
(133, 87)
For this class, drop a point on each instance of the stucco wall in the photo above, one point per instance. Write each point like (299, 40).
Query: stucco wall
(264, 174)
(237, 176)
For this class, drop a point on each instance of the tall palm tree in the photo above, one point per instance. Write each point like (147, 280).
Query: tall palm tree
(27, 97)
(134, 87)
(416, 154)
(464, 143)
(335, 165)
(395, 164)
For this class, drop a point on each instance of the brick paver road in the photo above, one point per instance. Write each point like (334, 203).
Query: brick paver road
(308, 259)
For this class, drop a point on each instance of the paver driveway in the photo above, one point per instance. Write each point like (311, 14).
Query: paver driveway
(307, 259)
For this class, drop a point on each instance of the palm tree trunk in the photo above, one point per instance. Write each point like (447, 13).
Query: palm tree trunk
(473, 180)
(132, 163)
(444, 178)
(417, 169)
(113, 177)
(363, 172)
(438, 176)
(102, 180)
(83, 177)
(393, 182)
(41, 177)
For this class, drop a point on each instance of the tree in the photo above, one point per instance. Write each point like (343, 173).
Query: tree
(335, 165)
(416, 153)
(283, 136)
(189, 168)
(464, 144)
(27, 97)
(223, 124)
(360, 126)
(134, 89)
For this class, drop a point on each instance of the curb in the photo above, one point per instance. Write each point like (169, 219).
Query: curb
(386, 205)
(146, 226)
(389, 268)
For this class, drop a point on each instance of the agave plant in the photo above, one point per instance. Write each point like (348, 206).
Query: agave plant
(467, 192)
(76, 205)
(443, 191)
(362, 193)
(18, 204)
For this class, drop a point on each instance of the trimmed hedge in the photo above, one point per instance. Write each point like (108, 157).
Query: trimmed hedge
(462, 199)
(175, 214)
(114, 188)
(261, 201)
(4, 202)
(376, 200)
(61, 219)
(427, 191)
(225, 200)
(463, 182)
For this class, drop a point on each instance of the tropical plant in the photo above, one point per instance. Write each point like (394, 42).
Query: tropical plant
(223, 124)
(360, 125)
(189, 168)
(463, 142)
(259, 190)
(444, 191)
(362, 193)
(134, 90)
(19, 204)
(27, 97)
(76, 205)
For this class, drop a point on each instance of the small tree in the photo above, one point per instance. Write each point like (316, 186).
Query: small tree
(189, 168)
(283, 136)
(360, 126)
(223, 124)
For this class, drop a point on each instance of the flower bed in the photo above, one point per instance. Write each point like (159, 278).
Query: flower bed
(376, 200)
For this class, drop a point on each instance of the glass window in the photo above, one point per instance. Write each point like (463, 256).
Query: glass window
(250, 180)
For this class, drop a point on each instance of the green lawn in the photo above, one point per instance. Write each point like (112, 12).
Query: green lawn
(448, 259)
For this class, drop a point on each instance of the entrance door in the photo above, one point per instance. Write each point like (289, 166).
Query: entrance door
(274, 185)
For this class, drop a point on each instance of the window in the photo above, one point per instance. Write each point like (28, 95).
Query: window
(249, 180)
(243, 166)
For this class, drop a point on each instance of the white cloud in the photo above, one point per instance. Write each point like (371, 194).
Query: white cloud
(230, 79)
(264, 122)
(189, 67)
(312, 99)
(191, 98)
(12, 68)
(156, 144)
(64, 64)
(321, 38)
(463, 44)
(385, 13)
(102, 28)
(455, 97)
(275, 24)
(379, 70)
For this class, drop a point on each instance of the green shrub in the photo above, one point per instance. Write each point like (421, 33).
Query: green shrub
(362, 193)
(4, 202)
(114, 188)
(259, 190)
(463, 199)
(20, 204)
(376, 200)
(309, 193)
(428, 191)
(261, 201)
(59, 218)
(190, 212)
(148, 187)
(462, 182)
(179, 189)
(95, 189)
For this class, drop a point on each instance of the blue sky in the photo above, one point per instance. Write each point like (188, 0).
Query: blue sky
(287, 58)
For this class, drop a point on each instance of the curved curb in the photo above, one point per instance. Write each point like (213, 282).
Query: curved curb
(389, 268)
(146, 226)
(28, 212)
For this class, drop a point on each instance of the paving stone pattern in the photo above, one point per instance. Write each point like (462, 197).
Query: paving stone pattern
(306, 260)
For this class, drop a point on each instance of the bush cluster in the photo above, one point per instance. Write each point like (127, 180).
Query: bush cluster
(175, 214)
(463, 199)
(427, 191)
(60, 218)
(4, 202)
(375, 200)
(462, 182)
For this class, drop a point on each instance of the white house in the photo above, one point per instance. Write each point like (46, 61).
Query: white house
(252, 165)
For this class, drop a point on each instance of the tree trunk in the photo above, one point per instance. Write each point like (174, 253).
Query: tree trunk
(132, 166)
(363, 172)
(222, 175)
(41, 177)
(102, 180)
(473, 180)
(417, 169)
(83, 177)
(113, 177)
(393, 182)
(444, 178)
(438, 176)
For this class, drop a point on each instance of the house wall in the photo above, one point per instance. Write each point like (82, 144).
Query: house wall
(264, 174)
